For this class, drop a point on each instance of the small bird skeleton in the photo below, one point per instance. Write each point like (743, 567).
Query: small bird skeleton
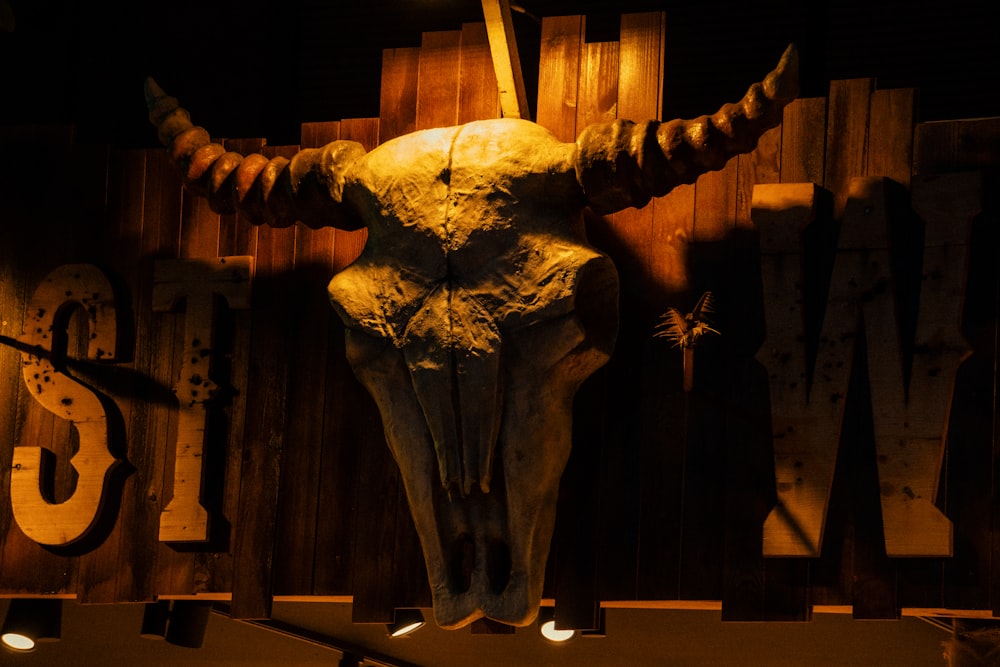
(686, 330)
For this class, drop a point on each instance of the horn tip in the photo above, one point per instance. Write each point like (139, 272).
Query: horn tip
(153, 91)
(783, 82)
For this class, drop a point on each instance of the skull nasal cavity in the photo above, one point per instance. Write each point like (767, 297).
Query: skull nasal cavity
(461, 563)
(498, 565)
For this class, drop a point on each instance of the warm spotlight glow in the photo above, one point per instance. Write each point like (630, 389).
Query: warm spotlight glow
(29, 621)
(18, 642)
(406, 629)
(407, 620)
(548, 630)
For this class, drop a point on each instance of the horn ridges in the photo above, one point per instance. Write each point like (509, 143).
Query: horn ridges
(622, 163)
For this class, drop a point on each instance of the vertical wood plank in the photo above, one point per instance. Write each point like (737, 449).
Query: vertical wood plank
(398, 97)
(988, 310)
(12, 296)
(847, 137)
(559, 74)
(890, 154)
(673, 231)
(156, 421)
(237, 236)
(437, 81)
(478, 96)
(956, 145)
(787, 594)
(52, 232)
(715, 204)
(749, 455)
(126, 182)
(761, 166)
(337, 489)
(193, 571)
(74, 215)
(597, 101)
(890, 134)
(376, 479)
(98, 569)
(626, 237)
(971, 577)
(199, 227)
(576, 544)
(803, 141)
(349, 412)
(303, 449)
(640, 98)
(267, 389)
(664, 420)
(874, 585)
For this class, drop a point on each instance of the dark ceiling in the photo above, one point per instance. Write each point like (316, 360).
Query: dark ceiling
(259, 67)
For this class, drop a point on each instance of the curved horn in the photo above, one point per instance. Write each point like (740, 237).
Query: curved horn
(276, 191)
(622, 164)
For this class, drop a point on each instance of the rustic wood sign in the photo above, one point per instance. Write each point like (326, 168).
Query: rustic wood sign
(851, 259)
(73, 285)
(194, 282)
(477, 308)
(911, 388)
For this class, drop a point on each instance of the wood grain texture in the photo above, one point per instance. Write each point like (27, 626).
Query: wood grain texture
(663, 494)
(86, 288)
(803, 141)
(238, 237)
(398, 97)
(374, 545)
(625, 487)
(198, 283)
(349, 412)
(890, 134)
(506, 59)
(304, 446)
(762, 165)
(577, 542)
(267, 379)
(437, 79)
(33, 212)
(805, 422)
(908, 425)
(847, 137)
(559, 75)
(123, 231)
(12, 296)
(955, 145)
(715, 204)
(478, 98)
(156, 340)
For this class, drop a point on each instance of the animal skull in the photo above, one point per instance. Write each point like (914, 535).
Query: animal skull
(477, 307)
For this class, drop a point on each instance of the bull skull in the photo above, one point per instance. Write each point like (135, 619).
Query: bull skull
(477, 307)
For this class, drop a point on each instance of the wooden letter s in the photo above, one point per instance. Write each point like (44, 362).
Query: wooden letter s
(45, 522)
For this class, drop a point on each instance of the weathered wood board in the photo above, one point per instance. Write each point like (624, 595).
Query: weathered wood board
(836, 446)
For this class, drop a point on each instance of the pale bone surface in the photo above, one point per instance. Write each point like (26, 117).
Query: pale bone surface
(477, 306)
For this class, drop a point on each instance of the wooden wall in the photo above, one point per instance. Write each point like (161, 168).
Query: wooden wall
(666, 491)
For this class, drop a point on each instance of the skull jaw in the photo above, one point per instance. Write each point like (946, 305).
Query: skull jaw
(486, 552)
